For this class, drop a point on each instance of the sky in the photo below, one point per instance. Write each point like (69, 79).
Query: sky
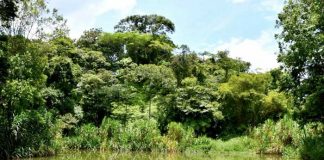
(245, 28)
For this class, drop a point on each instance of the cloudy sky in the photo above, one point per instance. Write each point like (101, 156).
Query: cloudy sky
(244, 27)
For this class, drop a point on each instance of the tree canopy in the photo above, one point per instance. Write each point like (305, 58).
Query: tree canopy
(301, 45)
(8, 11)
(154, 24)
(137, 90)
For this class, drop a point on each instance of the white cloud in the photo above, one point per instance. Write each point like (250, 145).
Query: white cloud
(239, 1)
(260, 52)
(264, 5)
(85, 14)
(272, 5)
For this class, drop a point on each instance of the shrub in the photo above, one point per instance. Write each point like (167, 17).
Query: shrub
(32, 133)
(312, 147)
(144, 135)
(109, 131)
(313, 141)
(181, 135)
(202, 143)
(274, 137)
(237, 144)
(87, 137)
(176, 131)
(109, 128)
(141, 135)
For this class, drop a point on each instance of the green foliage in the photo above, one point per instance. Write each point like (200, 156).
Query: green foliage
(3, 68)
(301, 45)
(153, 24)
(229, 65)
(125, 91)
(198, 105)
(151, 78)
(89, 60)
(237, 144)
(90, 38)
(63, 80)
(193, 104)
(8, 9)
(274, 105)
(21, 97)
(142, 48)
(150, 81)
(313, 148)
(246, 101)
(97, 94)
(274, 137)
(177, 132)
(201, 143)
(183, 137)
(86, 137)
(62, 46)
(31, 18)
(207, 145)
(110, 128)
(313, 141)
(141, 135)
(32, 134)
(183, 65)
(288, 138)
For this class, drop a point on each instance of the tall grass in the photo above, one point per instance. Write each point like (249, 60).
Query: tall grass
(144, 135)
(178, 138)
(286, 137)
(275, 137)
(87, 137)
(141, 135)
(313, 142)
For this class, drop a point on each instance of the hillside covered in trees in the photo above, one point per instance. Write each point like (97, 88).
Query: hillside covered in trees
(137, 90)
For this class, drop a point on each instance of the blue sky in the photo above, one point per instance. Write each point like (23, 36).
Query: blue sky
(244, 27)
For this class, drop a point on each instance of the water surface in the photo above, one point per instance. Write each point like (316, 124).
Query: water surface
(94, 155)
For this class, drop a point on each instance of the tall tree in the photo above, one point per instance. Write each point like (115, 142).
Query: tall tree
(151, 81)
(33, 19)
(8, 9)
(90, 38)
(183, 64)
(247, 100)
(229, 65)
(301, 45)
(193, 104)
(153, 24)
(142, 48)
(22, 67)
(97, 96)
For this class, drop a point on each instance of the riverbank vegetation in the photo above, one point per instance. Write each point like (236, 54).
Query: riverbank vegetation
(136, 90)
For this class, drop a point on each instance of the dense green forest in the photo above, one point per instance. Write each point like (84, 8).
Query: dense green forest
(137, 90)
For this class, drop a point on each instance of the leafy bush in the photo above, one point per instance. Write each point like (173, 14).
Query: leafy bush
(288, 138)
(274, 137)
(202, 143)
(313, 142)
(109, 128)
(312, 148)
(87, 137)
(32, 131)
(176, 131)
(182, 136)
(144, 135)
(237, 144)
(141, 135)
